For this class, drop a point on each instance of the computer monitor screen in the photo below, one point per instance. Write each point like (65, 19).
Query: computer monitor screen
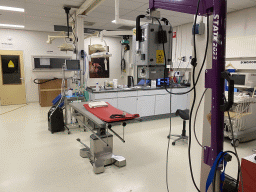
(160, 82)
(239, 79)
(73, 65)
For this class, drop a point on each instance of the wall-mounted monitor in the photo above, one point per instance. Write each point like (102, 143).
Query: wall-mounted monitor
(45, 63)
(73, 65)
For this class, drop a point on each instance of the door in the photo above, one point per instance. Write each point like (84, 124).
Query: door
(12, 84)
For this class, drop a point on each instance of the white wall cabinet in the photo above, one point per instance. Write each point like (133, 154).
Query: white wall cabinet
(146, 105)
(162, 104)
(174, 104)
(128, 104)
(179, 101)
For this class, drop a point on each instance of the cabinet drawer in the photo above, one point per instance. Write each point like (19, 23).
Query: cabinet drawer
(151, 92)
(179, 90)
(105, 95)
(161, 92)
(127, 94)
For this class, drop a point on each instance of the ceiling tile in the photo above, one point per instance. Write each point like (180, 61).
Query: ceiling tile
(238, 4)
(182, 15)
(11, 3)
(39, 7)
(110, 26)
(102, 16)
(110, 10)
(229, 10)
(59, 3)
(14, 19)
(43, 14)
(143, 7)
(141, 1)
(123, 4)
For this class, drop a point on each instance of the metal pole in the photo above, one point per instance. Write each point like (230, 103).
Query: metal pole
(92, 131)
(117, 135)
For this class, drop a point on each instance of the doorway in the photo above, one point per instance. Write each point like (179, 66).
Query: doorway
(12, 82)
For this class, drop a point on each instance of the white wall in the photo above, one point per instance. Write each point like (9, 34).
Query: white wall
(182, 45)
(239, 24)
(32, 43)
(114, 61)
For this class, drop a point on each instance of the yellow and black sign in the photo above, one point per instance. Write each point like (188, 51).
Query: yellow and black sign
(134, 31)
(159, 56)
(10, 64)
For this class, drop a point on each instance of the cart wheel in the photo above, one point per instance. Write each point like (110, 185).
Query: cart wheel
(236, 142)
(173, 143)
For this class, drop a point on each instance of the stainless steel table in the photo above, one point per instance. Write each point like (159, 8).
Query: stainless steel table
(100, 151)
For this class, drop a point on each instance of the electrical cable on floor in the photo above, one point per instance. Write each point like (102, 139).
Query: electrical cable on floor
(14, 109)
(196, 116)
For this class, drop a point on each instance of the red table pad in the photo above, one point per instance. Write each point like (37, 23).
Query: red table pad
(104, 113)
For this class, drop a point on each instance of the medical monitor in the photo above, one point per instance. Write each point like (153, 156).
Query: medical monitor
(244, 80)
(73, 65)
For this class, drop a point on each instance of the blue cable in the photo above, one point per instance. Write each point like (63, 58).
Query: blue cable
(216, 163)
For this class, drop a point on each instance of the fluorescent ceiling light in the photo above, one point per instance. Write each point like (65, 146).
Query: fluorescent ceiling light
(9, 25)
(113, 21)
(12, 9)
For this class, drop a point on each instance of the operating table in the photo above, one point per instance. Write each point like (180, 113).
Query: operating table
(100, 152)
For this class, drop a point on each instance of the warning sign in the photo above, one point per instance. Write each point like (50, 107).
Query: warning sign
(134, 31)
(10, 64)
(159, 56)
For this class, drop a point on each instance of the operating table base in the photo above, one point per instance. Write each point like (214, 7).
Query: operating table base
(101, 155)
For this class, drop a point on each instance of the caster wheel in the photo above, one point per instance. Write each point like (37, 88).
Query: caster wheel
(68, 132)
(84, 130)
(79, 126)
(168, 137)
(173, 143)
(235, 143)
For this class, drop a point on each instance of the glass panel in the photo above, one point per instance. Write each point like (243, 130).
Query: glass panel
(11, 69)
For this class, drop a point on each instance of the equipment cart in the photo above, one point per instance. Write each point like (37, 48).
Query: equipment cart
(243, 119)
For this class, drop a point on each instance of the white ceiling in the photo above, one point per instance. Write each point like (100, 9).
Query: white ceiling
(42, 15)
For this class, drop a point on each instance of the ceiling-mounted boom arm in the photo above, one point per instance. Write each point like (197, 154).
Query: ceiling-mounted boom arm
(67, 9)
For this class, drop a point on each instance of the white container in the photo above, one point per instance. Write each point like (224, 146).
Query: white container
(97, 87)
(153, 83)
(115, 83)
(69, 93)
